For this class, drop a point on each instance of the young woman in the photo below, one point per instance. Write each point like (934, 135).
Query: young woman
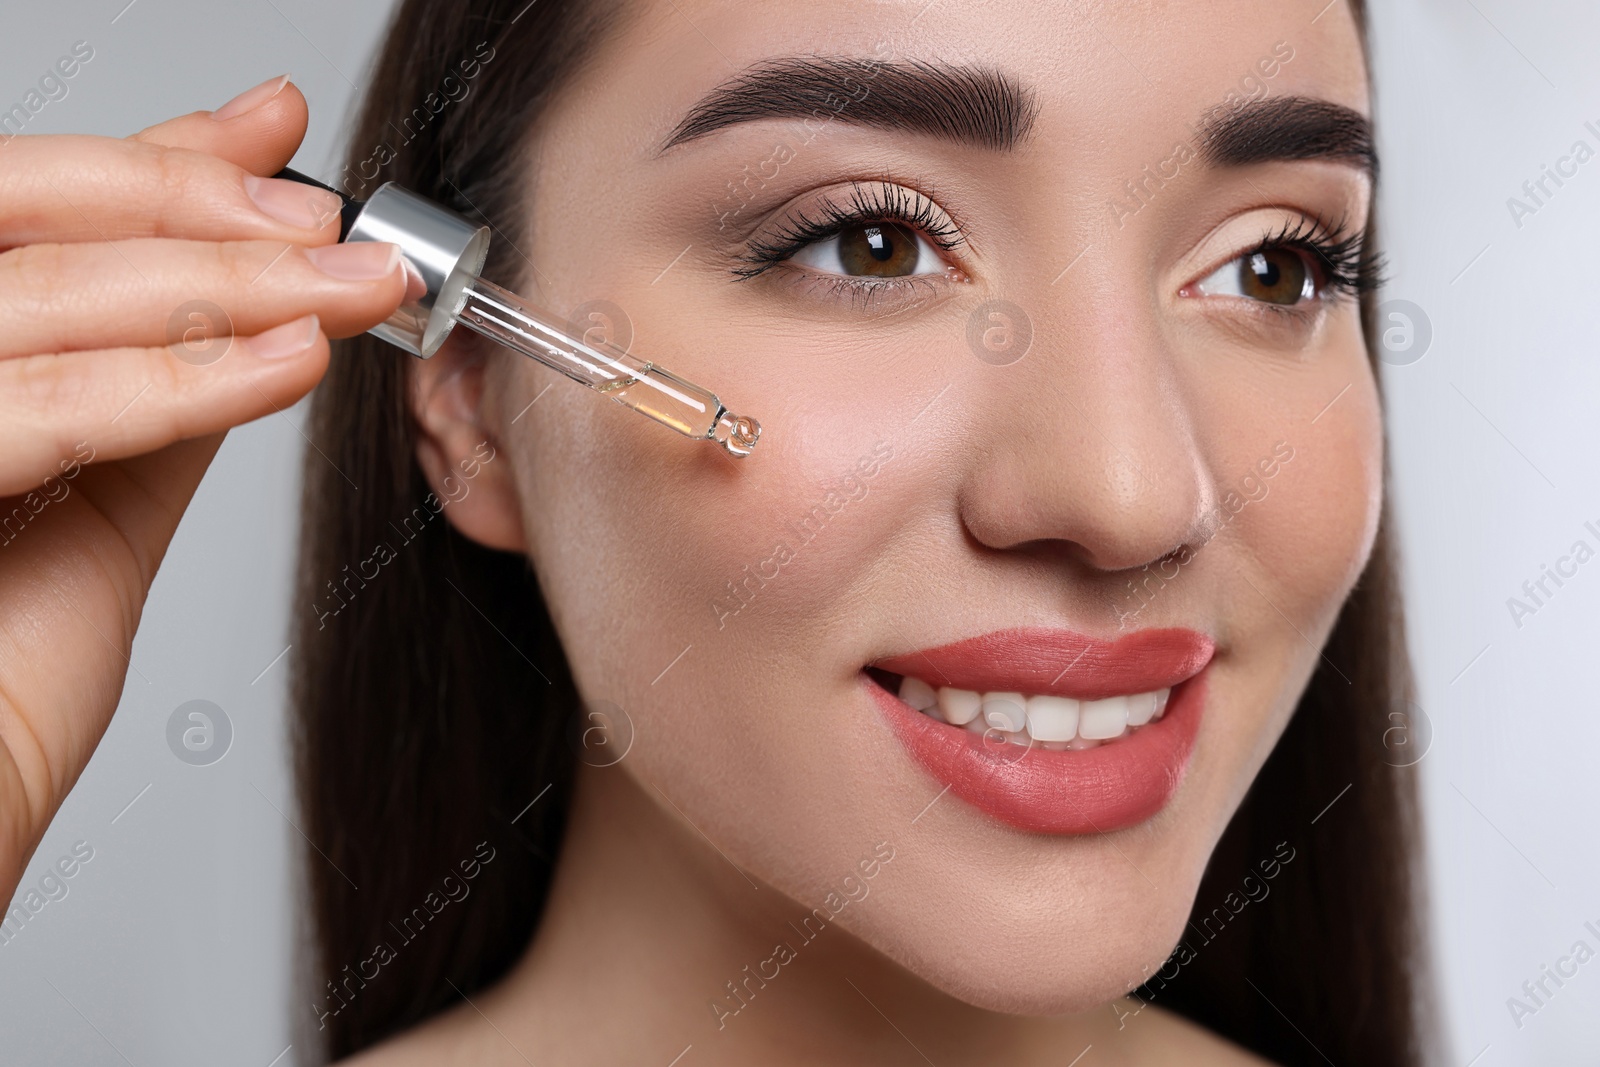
(1045, 651)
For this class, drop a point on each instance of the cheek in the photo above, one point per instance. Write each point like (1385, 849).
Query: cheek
(647, 544)
(719, 604)
(1296, 450)
(1314, 532)
(1286, 563)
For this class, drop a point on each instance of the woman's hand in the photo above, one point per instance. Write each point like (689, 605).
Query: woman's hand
(117, 260)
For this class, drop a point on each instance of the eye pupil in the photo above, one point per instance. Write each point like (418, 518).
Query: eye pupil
(1277, 276)
(878, 243)
(878, 249)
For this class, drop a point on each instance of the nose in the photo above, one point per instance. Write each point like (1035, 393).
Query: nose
(1096, 454)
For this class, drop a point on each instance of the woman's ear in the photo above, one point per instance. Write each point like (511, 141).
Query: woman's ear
(459, 455)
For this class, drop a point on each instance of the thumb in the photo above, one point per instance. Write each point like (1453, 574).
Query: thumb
(259, 130)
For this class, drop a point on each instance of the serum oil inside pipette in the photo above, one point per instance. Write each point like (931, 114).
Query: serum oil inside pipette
(653, 391)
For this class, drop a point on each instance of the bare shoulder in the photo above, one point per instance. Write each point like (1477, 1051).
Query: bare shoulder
(444, 1040)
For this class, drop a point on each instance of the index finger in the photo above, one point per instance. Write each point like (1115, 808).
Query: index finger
(259, 130)
(57, 189)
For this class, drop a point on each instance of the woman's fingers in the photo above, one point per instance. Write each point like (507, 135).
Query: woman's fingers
(80, 297)
(179, 291)
(58, 413)
(77, 188)
(200, 177)
(258, 130)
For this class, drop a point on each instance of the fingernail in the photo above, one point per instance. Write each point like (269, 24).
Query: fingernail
(358, 261)
(294, 203)
(290, 339)
(250, 99)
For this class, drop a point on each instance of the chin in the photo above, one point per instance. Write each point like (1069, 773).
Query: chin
(1032, 924)
(1018, 969)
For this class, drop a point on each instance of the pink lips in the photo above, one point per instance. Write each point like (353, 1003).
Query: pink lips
(1097, 790)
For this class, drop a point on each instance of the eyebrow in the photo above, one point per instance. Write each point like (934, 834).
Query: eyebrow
(1288, 128)
(968, 105)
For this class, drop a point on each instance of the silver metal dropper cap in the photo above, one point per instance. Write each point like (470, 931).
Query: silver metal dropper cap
(442, 249)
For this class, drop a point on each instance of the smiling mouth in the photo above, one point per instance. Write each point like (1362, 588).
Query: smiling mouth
(1048, 730)
(1053, 723)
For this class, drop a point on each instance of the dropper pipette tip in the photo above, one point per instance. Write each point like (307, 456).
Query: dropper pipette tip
(737, 433)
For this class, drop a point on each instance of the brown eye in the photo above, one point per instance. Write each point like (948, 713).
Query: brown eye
(878, 250)
(1283, 276)
(1276, 276)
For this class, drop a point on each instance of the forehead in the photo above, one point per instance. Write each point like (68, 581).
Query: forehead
(1096, 70)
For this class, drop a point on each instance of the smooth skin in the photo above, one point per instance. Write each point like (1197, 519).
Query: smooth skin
(100, 241)
(1028, 494)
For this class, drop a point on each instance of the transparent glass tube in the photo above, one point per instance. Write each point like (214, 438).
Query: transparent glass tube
(639, 384)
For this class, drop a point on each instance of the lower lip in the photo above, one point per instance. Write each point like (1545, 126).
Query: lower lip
(1116, 785)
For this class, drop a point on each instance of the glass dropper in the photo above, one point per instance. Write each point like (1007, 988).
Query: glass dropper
(639, 384)
(444, 252)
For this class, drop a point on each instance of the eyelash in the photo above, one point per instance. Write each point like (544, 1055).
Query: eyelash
(1341, 254)
(874, 202)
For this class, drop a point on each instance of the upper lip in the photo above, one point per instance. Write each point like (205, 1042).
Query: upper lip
(1063, 663)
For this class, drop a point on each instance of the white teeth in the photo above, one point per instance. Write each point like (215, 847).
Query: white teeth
(1005, 711)
(1052, 718)
(958, 706)
(919, 694)
(1141, 708)
(1101, 720)
(1052, 722)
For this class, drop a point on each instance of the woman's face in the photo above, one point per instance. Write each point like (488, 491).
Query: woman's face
(1155, 466)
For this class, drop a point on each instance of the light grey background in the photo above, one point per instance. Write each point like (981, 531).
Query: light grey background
(174, 943)
(1494, 434)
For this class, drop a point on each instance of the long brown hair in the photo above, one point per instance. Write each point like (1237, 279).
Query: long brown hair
(431, 696)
